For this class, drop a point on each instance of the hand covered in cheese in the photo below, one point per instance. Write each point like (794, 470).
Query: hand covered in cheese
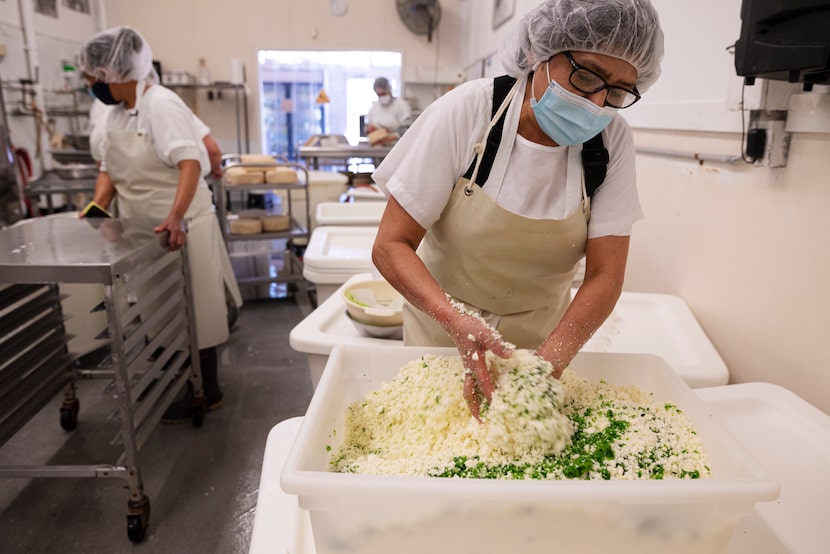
(474, 337)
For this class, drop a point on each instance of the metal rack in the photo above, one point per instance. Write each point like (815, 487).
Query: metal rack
(150, 326)
(296, 235)
(240, 99)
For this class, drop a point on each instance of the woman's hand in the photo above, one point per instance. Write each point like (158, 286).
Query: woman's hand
(177, 235)
(474, 337)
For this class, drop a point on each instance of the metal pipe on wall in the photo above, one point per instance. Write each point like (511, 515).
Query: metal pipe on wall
(100, 16)
(696, 156)
(33, 67)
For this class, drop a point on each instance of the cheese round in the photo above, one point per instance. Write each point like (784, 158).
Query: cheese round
(245, 226)
(377, 135)
(281, 176)
(258, 159)
(275, 223)
(241, 176)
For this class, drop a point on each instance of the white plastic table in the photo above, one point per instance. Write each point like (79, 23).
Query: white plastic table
(791, 436)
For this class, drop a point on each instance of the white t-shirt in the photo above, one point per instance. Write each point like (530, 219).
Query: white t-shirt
(391, 117)
(422, 168)
(175, 131)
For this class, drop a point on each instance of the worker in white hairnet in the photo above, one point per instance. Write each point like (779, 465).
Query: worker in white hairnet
(98, 112)
(388, 115)
(152, 162)
(491, 207)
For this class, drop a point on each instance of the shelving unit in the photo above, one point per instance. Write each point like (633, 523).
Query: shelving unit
(240, 98)
(71, 104)
(295, 236)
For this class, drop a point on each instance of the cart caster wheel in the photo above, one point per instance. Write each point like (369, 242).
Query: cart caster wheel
(198, 416)
(69, 414)
(135, 529)
(138, 519)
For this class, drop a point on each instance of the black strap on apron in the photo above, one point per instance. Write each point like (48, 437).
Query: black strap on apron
(594, 154)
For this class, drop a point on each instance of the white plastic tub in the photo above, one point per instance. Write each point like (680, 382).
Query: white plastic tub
(366, 193)
(646, 323)
(336, 253)
(367, 513)
(350, 213)
(323, 186)
(796, 522)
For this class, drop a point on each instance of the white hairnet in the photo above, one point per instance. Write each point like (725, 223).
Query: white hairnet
(117, 55)
(382, 84)
(624, 29)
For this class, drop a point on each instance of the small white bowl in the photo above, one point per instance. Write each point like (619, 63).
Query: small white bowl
(392, 332)
(374, 302)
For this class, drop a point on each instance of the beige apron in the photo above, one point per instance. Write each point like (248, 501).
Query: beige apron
(146, 188)
(514, 271)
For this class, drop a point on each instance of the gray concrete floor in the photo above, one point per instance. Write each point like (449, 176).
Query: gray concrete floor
(202, 482)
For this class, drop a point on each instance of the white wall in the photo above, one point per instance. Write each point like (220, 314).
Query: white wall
(182, 31)
(56, 39)
(742, 245)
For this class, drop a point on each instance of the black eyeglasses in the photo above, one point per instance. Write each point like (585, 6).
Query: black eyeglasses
(589, 82)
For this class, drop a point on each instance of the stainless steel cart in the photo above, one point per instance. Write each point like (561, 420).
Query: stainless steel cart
(151, 329)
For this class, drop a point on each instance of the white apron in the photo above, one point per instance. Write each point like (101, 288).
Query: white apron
(514, 271)
(146, 188)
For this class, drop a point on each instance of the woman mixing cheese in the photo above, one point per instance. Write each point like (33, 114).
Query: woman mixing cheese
(479, 238)
(152, 166)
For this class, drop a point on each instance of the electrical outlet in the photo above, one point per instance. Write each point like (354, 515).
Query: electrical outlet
(777, 147)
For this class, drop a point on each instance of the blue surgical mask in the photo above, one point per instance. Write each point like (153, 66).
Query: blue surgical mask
(102, 92)
(568, 118)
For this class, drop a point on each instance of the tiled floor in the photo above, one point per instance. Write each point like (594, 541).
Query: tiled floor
(202, 483)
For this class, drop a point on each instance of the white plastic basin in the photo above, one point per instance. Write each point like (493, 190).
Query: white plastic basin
(370, 513)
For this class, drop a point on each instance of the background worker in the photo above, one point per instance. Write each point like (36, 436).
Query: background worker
(388, 114)
(152, 162)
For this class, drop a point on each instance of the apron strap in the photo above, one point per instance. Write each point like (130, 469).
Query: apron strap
(481, 165)
(595, 156)
(594, 163)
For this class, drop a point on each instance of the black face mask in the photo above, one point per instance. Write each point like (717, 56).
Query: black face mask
(102, 92)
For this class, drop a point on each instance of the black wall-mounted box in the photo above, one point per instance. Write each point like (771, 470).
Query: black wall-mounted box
(785, 40)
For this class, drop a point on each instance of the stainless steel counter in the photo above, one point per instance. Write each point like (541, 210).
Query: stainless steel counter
(71, 250)
(313, 154)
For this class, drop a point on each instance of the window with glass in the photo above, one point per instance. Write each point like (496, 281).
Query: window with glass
(307, 93)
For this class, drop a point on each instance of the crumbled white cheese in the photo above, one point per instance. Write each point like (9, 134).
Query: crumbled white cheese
(419, 424)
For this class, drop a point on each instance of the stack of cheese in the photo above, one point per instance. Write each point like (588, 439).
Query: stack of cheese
(252, 222)
(258, 169)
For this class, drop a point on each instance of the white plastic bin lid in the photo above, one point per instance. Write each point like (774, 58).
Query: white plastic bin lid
(364, 193)
(339, 248)
(350, 213)
(330, 277)
(642, 323)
